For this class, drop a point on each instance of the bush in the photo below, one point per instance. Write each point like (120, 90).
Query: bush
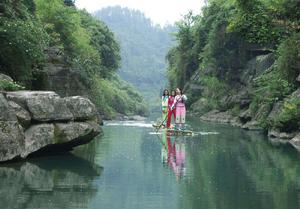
(21, 47)
(289, 118)
(116, 96)
(10, 86)
(269, 88)
(289, 58)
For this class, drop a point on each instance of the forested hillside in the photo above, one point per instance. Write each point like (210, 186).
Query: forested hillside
(241, 59)
(44, 40)
(143, 48)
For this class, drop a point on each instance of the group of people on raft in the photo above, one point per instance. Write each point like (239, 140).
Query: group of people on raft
(173, 104)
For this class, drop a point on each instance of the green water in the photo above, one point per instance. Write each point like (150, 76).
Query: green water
(128, 168)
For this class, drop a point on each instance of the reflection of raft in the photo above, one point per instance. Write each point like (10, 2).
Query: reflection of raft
(175, 132)
(180, 132)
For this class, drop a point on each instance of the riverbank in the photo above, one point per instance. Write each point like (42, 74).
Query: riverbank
(245, 121)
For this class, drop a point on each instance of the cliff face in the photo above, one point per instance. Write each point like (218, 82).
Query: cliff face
(236, 108)
(34, 122)
(57, 75)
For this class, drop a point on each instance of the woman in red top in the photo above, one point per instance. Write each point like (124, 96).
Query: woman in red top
(170, 110)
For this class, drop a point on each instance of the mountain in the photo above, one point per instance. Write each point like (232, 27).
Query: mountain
(143, 49)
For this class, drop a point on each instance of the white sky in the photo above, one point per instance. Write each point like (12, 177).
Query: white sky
(159, 11)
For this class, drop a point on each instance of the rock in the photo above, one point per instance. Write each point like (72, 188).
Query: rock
(242, 99)
(137, 118)
(219, 117)
(296, 94)
(280, 135)
(37, 137)
(252, 125)
(201, 106)
(276, 110)
(262, 112)
(5, 78)
(82, 108)
(11, 140)
(60, 137)
(49, 109)
(80, 131)
(6, 113)
(256, 67)
(245, 116)
(47, 121)
(23, 116)
(298, 78)
(295, 142)
(57, 75)
(21, 97)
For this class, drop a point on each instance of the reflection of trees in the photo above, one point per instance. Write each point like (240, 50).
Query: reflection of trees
(52, 182)
(275, 172)
(239, 170)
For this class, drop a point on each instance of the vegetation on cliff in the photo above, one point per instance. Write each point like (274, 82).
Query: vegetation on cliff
(241, 55)
(87, 46)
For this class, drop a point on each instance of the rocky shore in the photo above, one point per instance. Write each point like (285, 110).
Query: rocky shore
(245, 121)
(39, 122)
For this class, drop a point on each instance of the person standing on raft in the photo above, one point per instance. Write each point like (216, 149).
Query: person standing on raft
(164, 106)
(171, 111)
(179, 104)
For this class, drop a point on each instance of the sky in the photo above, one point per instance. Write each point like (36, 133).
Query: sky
(159, 11)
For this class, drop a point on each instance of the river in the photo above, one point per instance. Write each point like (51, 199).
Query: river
(133, 167)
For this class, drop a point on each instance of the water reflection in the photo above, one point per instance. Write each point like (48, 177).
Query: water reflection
(49, 182)
(173, 153)
(233, 170)
(240, 169)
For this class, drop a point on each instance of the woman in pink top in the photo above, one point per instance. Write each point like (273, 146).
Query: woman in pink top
(179, 104)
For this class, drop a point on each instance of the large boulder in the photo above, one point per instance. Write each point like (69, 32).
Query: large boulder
(76, 131)
(21, 97)
(37, 137)
(82, 108)
(58, 137)
(43, 105)
(49, 109)
(41, 122)
(23, 115)
(11, 140)
(6, 113)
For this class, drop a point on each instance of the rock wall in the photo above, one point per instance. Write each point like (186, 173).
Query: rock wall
(235, 108)
(33, 122)
(58, 76)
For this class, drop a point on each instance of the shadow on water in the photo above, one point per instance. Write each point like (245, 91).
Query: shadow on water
(63, 181)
